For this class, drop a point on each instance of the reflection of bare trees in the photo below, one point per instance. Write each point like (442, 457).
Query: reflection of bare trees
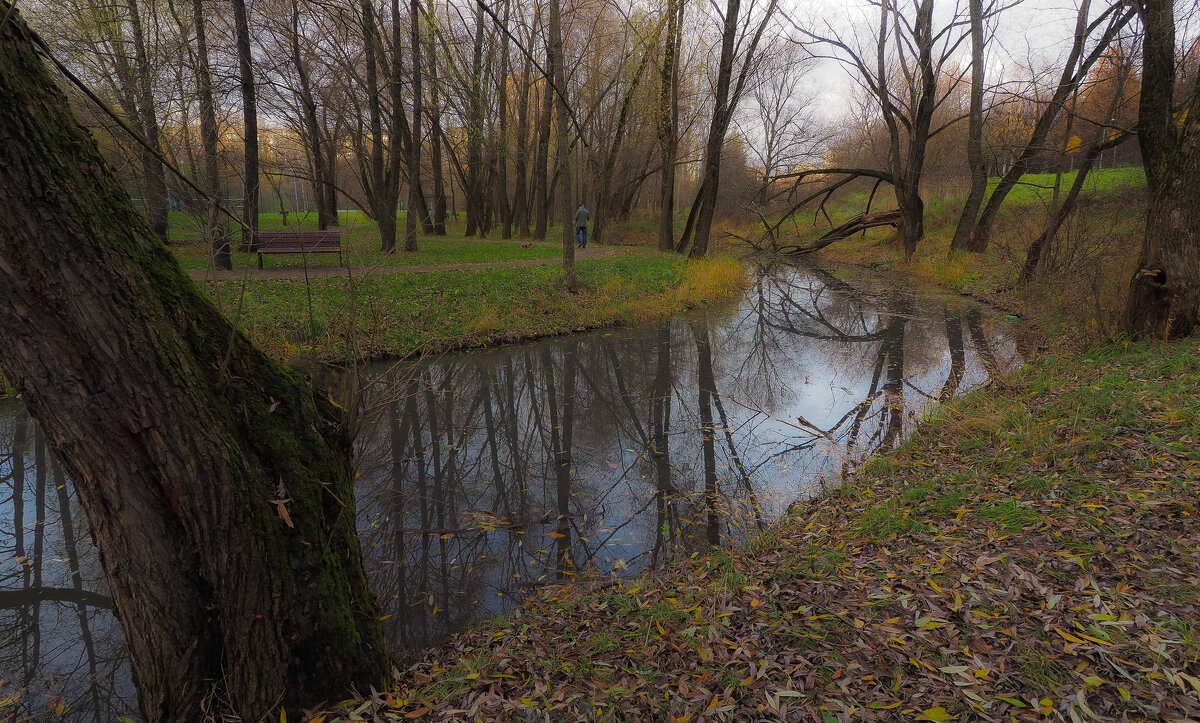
(484, 477)
(501, 472)
(58, 638)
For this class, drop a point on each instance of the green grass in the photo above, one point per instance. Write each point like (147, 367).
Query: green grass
(394, 315)
(361, 243)
(1039, 187)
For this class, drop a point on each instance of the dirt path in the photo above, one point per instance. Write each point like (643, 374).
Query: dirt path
(320, 272)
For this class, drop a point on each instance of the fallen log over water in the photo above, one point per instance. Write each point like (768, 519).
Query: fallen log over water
(861, 222)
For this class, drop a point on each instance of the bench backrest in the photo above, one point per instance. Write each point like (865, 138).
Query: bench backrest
(299, 241)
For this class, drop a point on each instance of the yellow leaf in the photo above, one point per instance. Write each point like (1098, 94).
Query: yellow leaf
(1068, 636)
(282, 715)
(1097, 641)
(884, 706)
(555, 535)
(937, 714)
(283, 512)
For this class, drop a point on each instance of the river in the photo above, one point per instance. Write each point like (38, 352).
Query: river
(483, 477)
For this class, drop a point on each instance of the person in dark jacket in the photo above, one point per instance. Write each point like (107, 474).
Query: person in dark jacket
(581, 220)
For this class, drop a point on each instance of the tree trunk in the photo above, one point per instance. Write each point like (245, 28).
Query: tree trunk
(435, 131)
(250, 125)
(401, 138)
(606, 194)
(966, 221)
(502, 144)
(707, 197)
(218, 489)
(1068, 83)
(520, 195)
(157, 201)
(326, 216)
(562, 149)
(1164, 294)
(218, 235)
(377, 184)
(415, 196)
(668, 123)
(541, 163)
(475, 185)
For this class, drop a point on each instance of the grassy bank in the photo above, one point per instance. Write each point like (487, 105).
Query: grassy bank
(1080, 289)
(394, 315)
(361, 246)
(1030, 553)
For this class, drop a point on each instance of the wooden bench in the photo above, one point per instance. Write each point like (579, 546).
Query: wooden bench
(299, 242)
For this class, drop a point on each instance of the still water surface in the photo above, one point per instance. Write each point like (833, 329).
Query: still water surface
(484, 476)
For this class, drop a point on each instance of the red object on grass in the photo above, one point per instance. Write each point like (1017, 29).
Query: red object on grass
(526, 245)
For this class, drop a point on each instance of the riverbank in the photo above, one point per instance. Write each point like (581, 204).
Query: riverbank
(395, 315)
(1074, 297)
(456, 293)
(1030, 552)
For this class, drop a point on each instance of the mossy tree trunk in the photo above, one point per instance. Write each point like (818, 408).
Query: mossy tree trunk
(218, 491)
(1164, 294)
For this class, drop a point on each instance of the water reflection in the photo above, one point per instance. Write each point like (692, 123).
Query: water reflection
(61, 648)
(485, 476)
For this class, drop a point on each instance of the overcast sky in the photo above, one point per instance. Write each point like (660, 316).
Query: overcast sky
(1034, 30)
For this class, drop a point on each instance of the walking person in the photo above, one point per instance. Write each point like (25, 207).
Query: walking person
(581, 221)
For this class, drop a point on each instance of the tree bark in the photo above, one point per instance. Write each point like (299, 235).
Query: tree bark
(541, 163)
(435, 131)
(962, 240)
(475, 186)
(521, 162)
(326, 212)
(668, 123)
(157, 202)
(502, 143)
(723, 107)
(218, 489)
(414, 147)
(250, 125)
(1164, 293)
(716, 133)
(218, 235)
(562, 149)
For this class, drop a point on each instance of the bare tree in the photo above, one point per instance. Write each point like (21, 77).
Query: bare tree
(728, 93)
(1075, 69)
(910, 56)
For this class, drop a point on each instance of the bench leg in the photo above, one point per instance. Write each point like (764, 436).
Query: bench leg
(260, 261)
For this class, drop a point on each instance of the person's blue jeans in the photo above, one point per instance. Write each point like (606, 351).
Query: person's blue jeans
(581, 236)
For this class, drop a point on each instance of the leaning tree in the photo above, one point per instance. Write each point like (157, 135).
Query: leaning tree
(217, 487)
